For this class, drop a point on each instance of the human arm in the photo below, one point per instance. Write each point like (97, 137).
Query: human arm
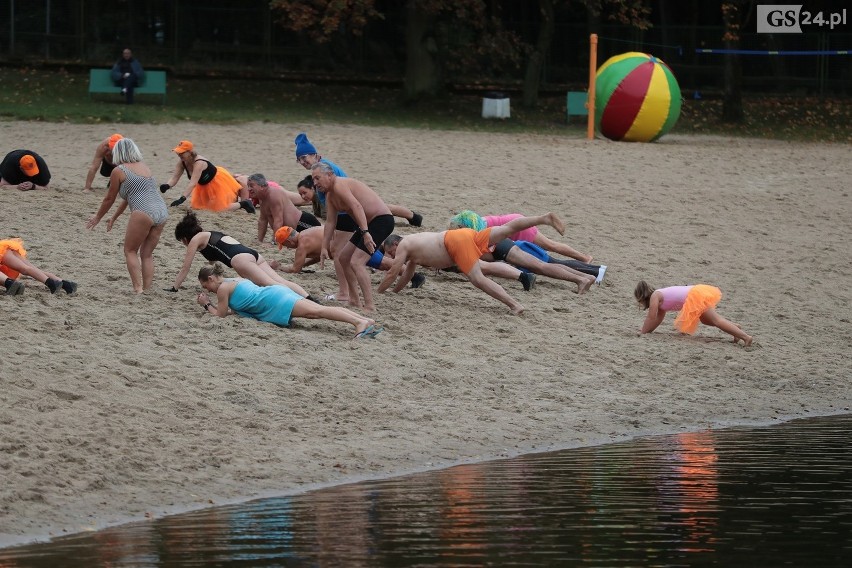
(399, 266)
(115, 179)
(137, 69)
(197, 170)
(222, 295)
(174, 179)
(262, 223)
(118, 211)
(328, 232)
(191, 249)
(93, 168)
(655, 313)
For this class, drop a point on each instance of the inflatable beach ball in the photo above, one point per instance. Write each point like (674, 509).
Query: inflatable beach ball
(637, 98)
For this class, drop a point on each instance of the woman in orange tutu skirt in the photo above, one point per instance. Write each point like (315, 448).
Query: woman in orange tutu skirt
(13, 263)
(694, 303)
(210, 187)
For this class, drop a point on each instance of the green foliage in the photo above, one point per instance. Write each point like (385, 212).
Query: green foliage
(57, 96)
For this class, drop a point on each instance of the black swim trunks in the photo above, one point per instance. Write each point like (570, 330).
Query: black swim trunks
(379, 228)
(306, 221)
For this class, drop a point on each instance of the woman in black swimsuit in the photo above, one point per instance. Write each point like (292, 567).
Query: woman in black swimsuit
(216, 246)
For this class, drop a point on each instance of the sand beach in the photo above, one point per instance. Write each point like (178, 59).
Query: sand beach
(117, 407)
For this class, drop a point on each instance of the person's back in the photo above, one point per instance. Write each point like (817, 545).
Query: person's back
(425, 249)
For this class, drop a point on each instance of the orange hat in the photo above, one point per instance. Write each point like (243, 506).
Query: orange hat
(184, 146)
(28, 165)
(113, 139)
(282, 235)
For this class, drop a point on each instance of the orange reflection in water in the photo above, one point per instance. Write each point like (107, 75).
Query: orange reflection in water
(696, 487)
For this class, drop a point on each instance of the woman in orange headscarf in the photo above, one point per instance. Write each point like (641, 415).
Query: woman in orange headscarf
(210, 187)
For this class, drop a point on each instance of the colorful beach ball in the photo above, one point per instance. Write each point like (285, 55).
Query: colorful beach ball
(637, 98)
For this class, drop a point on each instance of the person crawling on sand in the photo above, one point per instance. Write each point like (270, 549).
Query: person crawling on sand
(694, 303)
(273, 304)
(307, 247)
(13, 263)
(460, 247)
(217, 246)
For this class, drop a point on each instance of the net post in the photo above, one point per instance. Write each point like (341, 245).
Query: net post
(590, 97)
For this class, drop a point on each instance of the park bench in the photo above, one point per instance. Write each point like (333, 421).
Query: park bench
(576, 104)
(154, 83)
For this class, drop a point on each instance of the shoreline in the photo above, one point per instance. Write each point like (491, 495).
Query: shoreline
(319, 486)
(114, 406)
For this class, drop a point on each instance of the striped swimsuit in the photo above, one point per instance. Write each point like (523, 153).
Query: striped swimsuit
(142, 194)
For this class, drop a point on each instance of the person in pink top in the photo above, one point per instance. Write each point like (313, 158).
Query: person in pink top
(694, 303)
(468, 218)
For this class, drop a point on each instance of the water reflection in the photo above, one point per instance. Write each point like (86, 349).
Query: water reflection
(762, 497)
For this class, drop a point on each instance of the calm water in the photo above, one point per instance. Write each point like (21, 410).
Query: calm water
(778, 496)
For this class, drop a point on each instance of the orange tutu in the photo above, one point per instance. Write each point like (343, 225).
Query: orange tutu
(700, 298)
(217, 195)
(16, 245)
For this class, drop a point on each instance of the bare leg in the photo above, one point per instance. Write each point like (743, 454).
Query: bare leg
(561, 248)
(138, 228)
(312, 310)
(349, 273)
(18, 263)
(559, 271)
(146, 255)
(358, 263)
(261, 273)
(711, 317)
(339, 241)
(521, 223)
(400, 211)
(500, 270)
(478, 279)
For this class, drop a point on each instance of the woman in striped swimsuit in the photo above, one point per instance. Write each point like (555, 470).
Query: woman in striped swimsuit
(132, 181)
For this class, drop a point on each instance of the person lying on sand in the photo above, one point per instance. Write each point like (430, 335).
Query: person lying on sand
(273, 304)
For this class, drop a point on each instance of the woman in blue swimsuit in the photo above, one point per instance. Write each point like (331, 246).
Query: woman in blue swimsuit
(273, 304)
(219, 247)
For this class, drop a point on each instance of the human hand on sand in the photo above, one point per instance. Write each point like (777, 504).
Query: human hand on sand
(90, 224)
(109, 224)
(26, 186)
(202, 299)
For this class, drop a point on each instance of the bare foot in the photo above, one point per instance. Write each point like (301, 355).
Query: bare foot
(556, 223)
(587, 258)
(363, 325)
(87, 191)
(584, 286)
(517, 309)
(747, 341)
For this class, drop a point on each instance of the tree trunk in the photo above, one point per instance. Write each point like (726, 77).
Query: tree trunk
(535, 63)
(732, 96)
(422, 77)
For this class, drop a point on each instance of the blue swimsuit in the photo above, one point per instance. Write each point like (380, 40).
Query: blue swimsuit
(273, 304)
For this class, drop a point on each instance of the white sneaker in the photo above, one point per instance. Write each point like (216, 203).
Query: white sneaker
(601, 272)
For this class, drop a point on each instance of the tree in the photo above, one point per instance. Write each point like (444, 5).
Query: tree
(735, 15)
(430, 28)
(629, 12)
